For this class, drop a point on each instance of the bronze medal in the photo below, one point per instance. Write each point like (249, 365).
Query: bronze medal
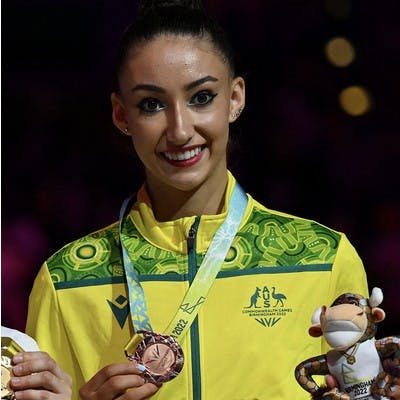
(161, 355)
(8, 349)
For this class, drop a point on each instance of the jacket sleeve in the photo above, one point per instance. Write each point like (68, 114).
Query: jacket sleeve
(348, 273)
(45, 324)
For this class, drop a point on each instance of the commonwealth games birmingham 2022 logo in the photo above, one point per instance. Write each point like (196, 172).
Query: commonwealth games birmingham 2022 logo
(267, 306)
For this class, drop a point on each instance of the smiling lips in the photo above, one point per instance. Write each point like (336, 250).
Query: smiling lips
(183, 158)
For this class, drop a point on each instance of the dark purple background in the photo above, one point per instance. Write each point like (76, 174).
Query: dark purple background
(66, 169)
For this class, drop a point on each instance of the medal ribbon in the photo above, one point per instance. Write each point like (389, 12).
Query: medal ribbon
(137, 301)
(209, 268)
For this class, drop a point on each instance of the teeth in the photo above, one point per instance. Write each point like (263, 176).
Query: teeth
(184, 155)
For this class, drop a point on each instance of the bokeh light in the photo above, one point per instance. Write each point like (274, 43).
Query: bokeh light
(340, 52)
(355, 100)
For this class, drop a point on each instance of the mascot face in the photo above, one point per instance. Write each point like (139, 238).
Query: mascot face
(350, 319)
(343, 325)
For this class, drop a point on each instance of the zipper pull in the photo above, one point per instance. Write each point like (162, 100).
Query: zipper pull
(190, 238)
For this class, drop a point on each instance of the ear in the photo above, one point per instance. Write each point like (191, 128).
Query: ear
(119, 113)
(378, 314)
(315, 330)
(237, 100)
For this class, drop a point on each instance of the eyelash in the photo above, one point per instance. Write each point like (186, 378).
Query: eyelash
(143, 105)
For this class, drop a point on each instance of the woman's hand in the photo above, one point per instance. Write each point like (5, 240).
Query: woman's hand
(121, 381)
(387, 383)
(37, 376)
(393, 368)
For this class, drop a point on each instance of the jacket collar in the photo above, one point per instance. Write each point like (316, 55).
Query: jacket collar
(172, 235)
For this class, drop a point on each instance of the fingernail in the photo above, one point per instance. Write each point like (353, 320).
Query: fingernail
(15, 381)
(18, 358)
(141, 367)
(17, 369)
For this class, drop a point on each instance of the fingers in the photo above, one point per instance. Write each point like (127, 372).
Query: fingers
(36, 361)
(387, 385)
(331, 382)
(106, 373)
(32, 361)
(393, 387)
(119, 384)
(134, 393)
(118, 381)
(335, 394)
(43, 380)
(141, 393)
(34, 372)
(394, 392)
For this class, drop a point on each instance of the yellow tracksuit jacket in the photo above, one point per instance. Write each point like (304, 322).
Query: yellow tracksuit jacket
(249, 334)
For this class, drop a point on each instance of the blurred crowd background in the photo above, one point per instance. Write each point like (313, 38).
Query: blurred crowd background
(319, 136)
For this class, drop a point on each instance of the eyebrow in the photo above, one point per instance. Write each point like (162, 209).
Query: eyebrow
(189, 86)
(200, 81)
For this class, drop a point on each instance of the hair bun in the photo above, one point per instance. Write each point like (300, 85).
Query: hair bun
(146, 6)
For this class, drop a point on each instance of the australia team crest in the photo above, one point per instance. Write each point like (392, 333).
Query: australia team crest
(267, 305)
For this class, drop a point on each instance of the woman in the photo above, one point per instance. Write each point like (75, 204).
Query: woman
(243, 325)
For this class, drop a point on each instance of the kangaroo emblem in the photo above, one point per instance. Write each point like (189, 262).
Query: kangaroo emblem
(254, 297)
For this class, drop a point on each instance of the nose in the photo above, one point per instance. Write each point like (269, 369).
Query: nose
(178, 130)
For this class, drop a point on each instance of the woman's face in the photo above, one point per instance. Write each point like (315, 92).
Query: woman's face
(177, 99)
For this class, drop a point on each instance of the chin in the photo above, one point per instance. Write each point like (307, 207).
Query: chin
(185, 186)
(185, 181)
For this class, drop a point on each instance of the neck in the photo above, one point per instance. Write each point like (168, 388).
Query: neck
(169, 203)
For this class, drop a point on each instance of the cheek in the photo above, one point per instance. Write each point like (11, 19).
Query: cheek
(145, 149)
(144, 144)
(146, 132)
(216, 126)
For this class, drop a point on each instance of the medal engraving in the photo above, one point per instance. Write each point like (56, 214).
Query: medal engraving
(158, 358)
(161, 355)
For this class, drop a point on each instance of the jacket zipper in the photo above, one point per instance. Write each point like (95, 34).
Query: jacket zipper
(194, 329)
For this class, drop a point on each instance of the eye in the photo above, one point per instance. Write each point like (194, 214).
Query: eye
(150, 105)
(202, 98)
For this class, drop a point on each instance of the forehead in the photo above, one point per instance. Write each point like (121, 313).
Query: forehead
(171, 56)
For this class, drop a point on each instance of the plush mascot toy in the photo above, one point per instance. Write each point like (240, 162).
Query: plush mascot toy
(356, 358)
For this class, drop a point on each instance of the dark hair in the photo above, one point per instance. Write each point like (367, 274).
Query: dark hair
(182, 18)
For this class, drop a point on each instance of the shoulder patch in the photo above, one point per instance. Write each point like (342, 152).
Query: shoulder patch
(284, 241)
(94, 256)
